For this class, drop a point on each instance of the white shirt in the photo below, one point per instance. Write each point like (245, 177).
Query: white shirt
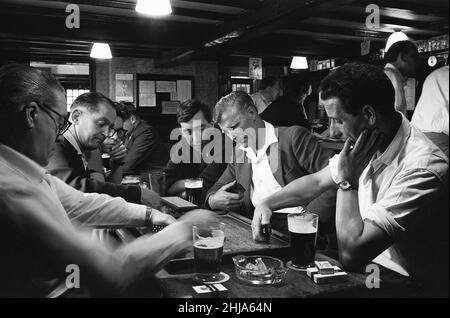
(431, 113)
(398, 81)
(396, 191)
(264, 183)
(38, 237)
(71, 139)
(260, 101)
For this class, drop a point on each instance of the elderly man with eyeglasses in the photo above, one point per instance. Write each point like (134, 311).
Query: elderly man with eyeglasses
(92, 118)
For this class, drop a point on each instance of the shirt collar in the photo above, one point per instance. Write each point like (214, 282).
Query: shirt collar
(391, 152)
(22, 164)
(270, 138)
(71, 139)
(396, 70)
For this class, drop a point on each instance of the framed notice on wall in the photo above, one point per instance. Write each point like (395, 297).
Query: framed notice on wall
(162, 94)
(124, 87)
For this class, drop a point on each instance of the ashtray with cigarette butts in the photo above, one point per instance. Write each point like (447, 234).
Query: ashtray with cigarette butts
(259, 270)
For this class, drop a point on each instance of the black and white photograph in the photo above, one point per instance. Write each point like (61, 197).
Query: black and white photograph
(224, 156)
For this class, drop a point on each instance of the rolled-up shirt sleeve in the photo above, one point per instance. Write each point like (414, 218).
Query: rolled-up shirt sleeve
(403, 205)
(333, 166)
(97, 210)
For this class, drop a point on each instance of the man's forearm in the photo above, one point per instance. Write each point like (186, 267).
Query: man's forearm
(299, 192)
(116, 173)
(349, 224)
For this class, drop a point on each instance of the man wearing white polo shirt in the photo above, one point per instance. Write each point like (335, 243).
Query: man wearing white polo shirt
(431, 113)
(389, 178)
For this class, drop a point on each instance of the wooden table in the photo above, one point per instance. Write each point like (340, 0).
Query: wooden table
(176, 279)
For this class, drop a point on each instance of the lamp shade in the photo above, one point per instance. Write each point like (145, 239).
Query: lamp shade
(299, 63)
(101, 51)
(154, 7)
(395, 37)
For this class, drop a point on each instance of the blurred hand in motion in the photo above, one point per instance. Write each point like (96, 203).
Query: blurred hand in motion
(198, 216)
(224, 200)
(150, 198)
(261, 217)
(160, 218)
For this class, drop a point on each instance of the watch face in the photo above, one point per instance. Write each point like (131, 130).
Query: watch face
(345, 185)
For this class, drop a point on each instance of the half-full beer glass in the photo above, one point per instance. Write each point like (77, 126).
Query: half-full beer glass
(208, 251)
(303, 232)
(194, 189)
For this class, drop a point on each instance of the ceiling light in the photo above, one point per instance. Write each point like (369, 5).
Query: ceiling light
(101, 51)
(154, 7)
(299, 63)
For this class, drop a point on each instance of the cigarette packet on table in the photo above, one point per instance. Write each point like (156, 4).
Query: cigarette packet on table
(337, 276)
(211, 290)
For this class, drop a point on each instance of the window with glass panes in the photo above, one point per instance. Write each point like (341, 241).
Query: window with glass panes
(72, 94)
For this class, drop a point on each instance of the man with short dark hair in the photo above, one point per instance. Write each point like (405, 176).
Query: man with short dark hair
(269, 90)
(388, 176)
(92, 116)
(267, 159)
(401, 62)
(195, 120)
(44, 221)
(145, 149)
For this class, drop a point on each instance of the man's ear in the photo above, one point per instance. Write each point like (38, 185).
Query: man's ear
(75, 116)
(252, 112)
(30, 115)
(369, 114)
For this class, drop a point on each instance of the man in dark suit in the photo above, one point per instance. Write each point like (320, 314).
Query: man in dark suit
(270, 159)
(92, 116)
(288, 109)
(145, 150)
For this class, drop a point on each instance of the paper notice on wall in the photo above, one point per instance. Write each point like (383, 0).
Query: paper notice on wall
(365, 47)
(124, 88)
(169, 107)
(184, 90)
(147, 100)
(146, 87)
(166, 86)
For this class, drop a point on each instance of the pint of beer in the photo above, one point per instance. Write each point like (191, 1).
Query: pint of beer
(303, 233)
(194, 189)
(208, 251)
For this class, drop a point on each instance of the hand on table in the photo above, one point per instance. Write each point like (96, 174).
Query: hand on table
(261, 217)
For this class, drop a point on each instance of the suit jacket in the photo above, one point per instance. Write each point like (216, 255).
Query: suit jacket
(67, 165)
(298, 154)
(285, 112)
(145, 150)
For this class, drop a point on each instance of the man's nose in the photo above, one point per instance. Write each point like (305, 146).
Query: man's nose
(335, 132)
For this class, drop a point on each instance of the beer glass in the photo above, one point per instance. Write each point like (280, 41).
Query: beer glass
(194, 189)
(208, 250)
(303, 233)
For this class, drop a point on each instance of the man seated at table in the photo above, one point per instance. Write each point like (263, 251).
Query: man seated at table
(388, 176)
(41, 216)
(267, 159)
(195, 119)
(145, 149)
(92, 116)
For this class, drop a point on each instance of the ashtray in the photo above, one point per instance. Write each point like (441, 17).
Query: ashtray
(259, 270)
(131, 180)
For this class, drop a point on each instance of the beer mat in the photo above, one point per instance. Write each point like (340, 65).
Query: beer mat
(295, 268)
(223, 277)
(211, 290)
(178, 203)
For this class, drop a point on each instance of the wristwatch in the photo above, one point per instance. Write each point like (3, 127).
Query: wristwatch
(346, 186)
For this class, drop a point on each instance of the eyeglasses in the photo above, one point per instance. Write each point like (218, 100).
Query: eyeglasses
(60, 129)
(120, 132)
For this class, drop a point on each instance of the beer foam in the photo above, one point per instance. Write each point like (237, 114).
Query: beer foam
(209, 243)
(301, 228)
(193, 183)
